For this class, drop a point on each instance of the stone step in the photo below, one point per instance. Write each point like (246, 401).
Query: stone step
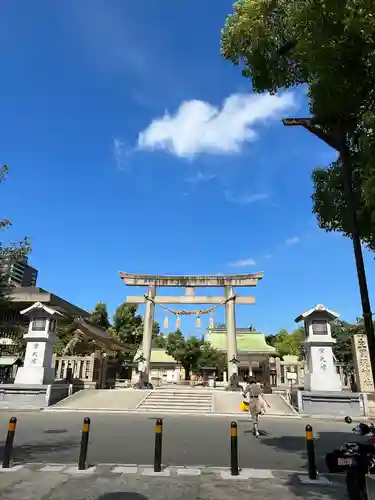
(174, 391)
(175, 403)
(174, 409)
(178, 398)
(182, 400)
(165, 402)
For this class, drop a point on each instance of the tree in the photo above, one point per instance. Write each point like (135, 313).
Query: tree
(127, 325)
(329, 204)
(160, 341)
(99, 316)
(289, 343)
(9, 253)
(211, 358)
(186, 352)
(328, 46)
(64, 334)
(343, 332)
(176, 347)
(193, 354)
(271, 339)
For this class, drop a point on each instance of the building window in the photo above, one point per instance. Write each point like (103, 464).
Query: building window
(39, 324)
(320, 327)
(52, 325)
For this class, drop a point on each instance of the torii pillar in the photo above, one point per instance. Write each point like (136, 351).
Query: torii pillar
(148, 324)
(228, 282)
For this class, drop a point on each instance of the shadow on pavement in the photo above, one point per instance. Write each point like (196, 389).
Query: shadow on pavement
(40, 452)
(126, 495)
(324, 443)
(261, 433)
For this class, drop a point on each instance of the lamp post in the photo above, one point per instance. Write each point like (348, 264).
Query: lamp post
(337, 140)
(234, 362)
(142, 383)
(233, 377)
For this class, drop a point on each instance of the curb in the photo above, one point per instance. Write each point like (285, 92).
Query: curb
(171, 414)
(334, 418)
(168, 470)
(22, 410)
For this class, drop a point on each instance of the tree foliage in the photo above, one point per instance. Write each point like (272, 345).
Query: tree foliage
(327, 45)
(193, 354)
(128, 325)
(99, 316)
(343, 332)
(64, 334)
(287, 343)
(9, 252)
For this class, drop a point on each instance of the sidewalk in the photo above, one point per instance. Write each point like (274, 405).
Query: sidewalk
(114, 482)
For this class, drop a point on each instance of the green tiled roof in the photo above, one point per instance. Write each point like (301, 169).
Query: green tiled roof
(158, 356)
(247, 341)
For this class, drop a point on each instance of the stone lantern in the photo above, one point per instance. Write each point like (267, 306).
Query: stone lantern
(321, 372)
(37, 368)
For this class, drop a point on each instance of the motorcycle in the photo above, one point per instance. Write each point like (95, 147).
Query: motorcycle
(356, 475)
(346, 457)
(357, 459)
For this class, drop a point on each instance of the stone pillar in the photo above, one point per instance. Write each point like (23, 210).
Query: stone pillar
(230, 323)
(362, 364)
(278, 372)
(37, 368)
(148, 324)
(285, 370)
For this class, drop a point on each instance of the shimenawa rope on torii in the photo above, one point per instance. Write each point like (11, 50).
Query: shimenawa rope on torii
(185, 312)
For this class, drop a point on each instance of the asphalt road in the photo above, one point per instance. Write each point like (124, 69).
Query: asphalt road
(187, 441)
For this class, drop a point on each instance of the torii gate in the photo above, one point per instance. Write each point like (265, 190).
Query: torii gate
(229, 299)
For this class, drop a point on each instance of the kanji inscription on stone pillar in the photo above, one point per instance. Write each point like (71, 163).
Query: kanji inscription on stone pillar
(362, 363)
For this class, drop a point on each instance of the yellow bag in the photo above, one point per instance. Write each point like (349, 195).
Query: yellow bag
(244, 406)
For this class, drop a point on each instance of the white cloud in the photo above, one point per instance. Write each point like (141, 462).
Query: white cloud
(245, 199)
(199, 127)
(200, 177)
(293, 241)
(243, 263)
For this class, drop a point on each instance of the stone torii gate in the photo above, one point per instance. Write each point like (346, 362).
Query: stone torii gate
(229, 299)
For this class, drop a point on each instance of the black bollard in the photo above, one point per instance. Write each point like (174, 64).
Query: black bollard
(310, 447)
(158, 445)
(233, 449)
(84, 444)
(9, 442)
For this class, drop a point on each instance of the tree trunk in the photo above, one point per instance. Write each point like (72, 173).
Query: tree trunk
(187, 372)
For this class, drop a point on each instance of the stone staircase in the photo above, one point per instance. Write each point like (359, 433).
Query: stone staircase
(175, 400)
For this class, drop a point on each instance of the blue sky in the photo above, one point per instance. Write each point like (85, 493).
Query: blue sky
(133, 146)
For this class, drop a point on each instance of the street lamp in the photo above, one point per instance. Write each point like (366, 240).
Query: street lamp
(337, 140)
(233, 376)
(234, 362)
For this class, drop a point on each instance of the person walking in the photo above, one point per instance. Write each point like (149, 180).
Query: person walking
(257, 402)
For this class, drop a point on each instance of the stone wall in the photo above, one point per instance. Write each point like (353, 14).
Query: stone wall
(329, 403)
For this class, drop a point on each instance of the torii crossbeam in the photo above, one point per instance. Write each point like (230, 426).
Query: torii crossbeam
(230, 299)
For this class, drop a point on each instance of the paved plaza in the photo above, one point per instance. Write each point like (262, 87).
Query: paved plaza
(105, 482)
